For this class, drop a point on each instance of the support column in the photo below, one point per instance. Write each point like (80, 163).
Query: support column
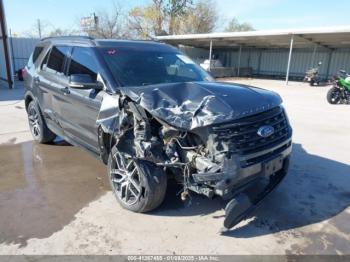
(210, 53)
(239, 60)
(313, 56)
(330, 56)
(289, 58)
(259, 62)
(5, 43)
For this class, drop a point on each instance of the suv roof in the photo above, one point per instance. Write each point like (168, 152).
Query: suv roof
(89, 41)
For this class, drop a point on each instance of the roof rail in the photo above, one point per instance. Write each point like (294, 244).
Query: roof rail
(69, 37)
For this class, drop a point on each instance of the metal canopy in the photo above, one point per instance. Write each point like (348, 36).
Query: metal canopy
(325, 37)
(328, 38)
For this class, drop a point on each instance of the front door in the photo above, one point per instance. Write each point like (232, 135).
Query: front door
(82, 106)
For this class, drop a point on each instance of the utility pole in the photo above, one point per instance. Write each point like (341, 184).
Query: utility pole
(39, 28)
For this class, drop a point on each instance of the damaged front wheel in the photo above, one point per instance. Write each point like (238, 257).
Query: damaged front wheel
(138, 185)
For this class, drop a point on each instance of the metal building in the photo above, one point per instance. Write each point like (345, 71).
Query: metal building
(21, 49)
(14, 52)
(271, 53)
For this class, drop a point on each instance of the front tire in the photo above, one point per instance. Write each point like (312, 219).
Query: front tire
(333, 96)
(138, 185)
(40, 132)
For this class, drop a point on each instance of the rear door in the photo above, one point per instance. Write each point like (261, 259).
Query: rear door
(81, 107)
(51, 81)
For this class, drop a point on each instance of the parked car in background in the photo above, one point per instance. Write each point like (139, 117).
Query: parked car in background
(150, 113)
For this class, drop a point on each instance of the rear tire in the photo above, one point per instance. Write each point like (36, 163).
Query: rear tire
(40, 132)
(333, 96)
(138, 185)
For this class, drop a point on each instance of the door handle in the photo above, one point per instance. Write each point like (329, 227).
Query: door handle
(65, 91)
(36, 80)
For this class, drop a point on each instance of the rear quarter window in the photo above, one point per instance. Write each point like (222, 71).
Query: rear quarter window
(37, 51)
(56, 58)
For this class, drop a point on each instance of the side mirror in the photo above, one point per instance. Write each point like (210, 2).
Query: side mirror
(84, 81)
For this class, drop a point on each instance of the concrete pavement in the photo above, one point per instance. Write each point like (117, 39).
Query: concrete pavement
(55, 199)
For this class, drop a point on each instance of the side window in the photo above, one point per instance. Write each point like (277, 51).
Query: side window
(44, 63)
(36, 53)
(57, 58)
(83, 61)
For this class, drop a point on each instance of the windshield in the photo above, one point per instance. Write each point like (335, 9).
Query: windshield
(138, 67)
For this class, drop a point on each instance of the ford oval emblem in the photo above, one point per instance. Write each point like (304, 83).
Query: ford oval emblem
(266, 131)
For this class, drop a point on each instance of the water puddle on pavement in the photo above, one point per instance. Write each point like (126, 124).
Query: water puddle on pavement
(42, 187)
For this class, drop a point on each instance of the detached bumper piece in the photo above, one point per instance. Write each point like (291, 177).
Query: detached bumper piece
(245, 202)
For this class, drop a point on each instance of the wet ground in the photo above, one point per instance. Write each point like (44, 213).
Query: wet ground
(55, 198)
(43, 186)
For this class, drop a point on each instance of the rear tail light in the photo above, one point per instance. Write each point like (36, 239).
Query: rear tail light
(21, 73)
(24, 72)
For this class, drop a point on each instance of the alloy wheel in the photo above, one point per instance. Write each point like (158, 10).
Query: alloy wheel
(125, 177)
(34, 121)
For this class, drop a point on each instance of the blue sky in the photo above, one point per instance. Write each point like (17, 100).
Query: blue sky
(262, 14)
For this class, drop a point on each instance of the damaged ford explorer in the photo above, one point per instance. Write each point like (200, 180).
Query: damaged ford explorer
(150, 113)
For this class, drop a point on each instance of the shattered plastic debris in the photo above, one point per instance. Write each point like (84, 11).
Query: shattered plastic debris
(109, 113)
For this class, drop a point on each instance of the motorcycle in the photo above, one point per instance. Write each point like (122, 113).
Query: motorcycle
(311, 75)
(340, 92)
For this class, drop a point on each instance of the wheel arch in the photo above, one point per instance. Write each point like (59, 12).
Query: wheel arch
(28, 97)
(105, 143)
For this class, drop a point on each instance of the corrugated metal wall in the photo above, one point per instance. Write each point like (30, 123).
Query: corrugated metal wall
(21, 49)
(197, 54)
(273, 62)
(2, 62)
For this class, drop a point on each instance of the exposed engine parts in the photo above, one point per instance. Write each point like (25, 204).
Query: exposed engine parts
(209, 160)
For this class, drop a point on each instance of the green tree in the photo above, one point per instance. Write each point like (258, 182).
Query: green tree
(176, 9)
(148, 21)
(158, 18)
(201, 18)
(235, 26)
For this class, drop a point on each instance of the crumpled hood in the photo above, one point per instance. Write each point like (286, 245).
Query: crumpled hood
(194, 104)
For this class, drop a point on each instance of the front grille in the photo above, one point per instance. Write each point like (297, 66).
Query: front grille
(242, 136)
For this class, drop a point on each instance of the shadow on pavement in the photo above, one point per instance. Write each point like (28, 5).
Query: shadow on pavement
(316, 189)
(11, 95)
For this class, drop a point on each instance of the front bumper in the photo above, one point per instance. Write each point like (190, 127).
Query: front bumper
(246, 174)
(250, 194)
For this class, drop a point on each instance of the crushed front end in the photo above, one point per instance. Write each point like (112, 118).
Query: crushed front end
(231, 158)
(214, 139)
